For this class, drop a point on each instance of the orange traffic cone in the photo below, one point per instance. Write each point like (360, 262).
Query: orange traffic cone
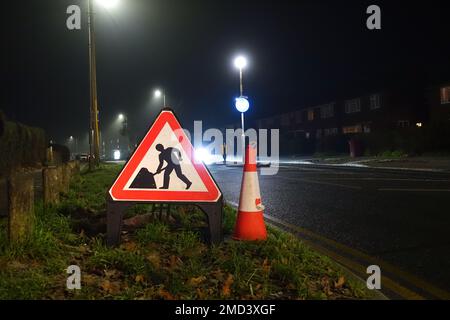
(250, 224)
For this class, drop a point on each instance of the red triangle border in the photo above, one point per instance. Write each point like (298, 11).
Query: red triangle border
(118, 193)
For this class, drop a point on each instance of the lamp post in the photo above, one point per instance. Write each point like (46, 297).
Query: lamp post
(94, 135)
(241, 103)
(158, 93)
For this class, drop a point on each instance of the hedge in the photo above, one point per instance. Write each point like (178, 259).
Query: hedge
(20, 145)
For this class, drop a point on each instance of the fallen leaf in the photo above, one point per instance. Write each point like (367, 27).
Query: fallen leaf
(17, 265)
(226, 290)
(174, 262)
(129, 246)
(339, 283)
(110, 287)
(139, 278)
(197, 281)
(201, 294)
(218, 274)
(266, 266)
(112, 274)
(154, 259)
(165, 294)
(89, 280)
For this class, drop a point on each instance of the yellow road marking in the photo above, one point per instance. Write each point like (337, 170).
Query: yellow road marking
(413, 190)
(437, 292)
(360, 270)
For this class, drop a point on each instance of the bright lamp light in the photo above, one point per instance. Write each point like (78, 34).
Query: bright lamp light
(242, 104)
(202, 155)
(108, 3)
(240, 62)
(158, 93)
(121, 116)
(116, 154)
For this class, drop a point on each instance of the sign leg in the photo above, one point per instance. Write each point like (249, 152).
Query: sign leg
(214, 212)
(115, 212)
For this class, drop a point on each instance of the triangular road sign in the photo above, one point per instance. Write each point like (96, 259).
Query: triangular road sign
(180, 178)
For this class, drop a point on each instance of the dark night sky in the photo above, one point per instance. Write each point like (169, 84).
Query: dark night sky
(301, 53)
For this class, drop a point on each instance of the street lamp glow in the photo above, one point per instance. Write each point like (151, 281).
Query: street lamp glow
(158, 93)
(242, 104)
(203, 155)
(116, 155)
(240, 62)
(108, 3)
(121, 117)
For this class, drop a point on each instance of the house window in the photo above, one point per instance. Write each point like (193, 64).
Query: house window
(353, 106)
(330, 132)
(375, 102)
(327, 111)
(310, 115)
(445, 95)
(403, 123)
(352, 129)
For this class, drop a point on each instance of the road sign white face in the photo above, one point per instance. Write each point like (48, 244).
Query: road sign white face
(163, 169)
(151, 161)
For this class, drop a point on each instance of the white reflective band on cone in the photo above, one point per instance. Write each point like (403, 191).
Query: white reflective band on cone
(250, 193)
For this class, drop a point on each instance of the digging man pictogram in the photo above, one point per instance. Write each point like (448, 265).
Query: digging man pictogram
(173, 158)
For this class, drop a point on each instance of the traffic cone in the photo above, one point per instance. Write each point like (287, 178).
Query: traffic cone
(250, 224)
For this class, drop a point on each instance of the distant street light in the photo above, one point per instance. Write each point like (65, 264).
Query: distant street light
(241, 103)
(73, 145)
(121, 117)
(158, 93)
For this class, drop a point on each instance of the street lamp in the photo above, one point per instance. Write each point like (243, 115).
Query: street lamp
(108, 3)
(121, 117)
(73, 145)
(241, 103)
(94, 134)
(158, 93)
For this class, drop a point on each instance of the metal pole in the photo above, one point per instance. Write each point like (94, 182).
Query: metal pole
(95, 141)
(243, 137)
(240, 81)
(242, 116)
(164, 98)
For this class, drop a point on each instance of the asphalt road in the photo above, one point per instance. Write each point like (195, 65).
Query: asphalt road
(402, 219)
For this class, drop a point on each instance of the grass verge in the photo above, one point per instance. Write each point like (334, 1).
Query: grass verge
(165, 258)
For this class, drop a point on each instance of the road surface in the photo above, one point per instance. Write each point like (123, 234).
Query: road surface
(397, 220)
